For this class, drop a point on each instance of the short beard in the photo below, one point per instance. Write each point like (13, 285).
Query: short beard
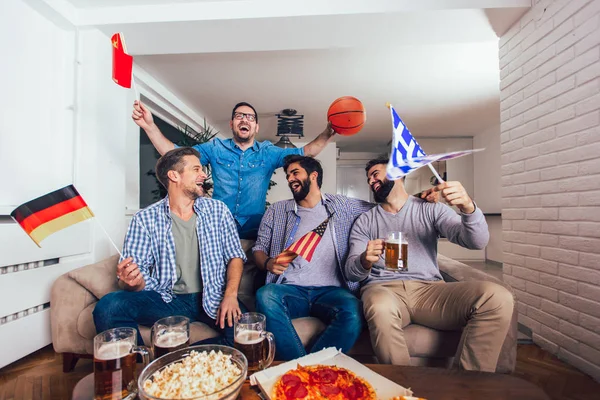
(384, 191)
(242, 139)
(192, 194)
(303, 192)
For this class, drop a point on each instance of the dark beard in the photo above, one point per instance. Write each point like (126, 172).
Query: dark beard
(384, 191)
(303, 192)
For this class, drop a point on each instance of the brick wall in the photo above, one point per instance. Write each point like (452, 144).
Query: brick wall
(550, 135)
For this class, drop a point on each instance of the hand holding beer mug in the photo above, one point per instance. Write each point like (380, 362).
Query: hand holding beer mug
(170, 334)
(396, 252)
(251, 338)
(114, 364)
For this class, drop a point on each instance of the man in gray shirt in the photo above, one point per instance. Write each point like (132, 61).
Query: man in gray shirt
(392, 300)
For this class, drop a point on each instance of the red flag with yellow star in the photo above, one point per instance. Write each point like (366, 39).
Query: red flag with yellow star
(122, 62)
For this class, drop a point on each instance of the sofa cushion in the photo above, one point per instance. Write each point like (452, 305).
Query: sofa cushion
(99, 278)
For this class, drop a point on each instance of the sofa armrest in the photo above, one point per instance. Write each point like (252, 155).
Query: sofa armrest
(455, 271)
(72, 293)
(67, 300)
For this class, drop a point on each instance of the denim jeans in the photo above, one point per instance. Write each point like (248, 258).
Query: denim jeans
(250, 228)
(339, 309)
(130, 309)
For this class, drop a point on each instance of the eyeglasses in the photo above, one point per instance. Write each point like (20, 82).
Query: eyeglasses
(240, 116)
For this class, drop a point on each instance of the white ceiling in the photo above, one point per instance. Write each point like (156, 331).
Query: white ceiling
(435, 60)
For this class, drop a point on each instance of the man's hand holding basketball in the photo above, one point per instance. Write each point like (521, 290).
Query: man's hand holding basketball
(455, 195)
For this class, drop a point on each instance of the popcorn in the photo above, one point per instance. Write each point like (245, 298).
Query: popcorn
(199, 374)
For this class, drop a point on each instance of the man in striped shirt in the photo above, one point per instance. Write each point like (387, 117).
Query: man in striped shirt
(182, 256)
(301, 288)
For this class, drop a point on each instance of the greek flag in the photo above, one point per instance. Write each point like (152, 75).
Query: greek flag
(407, 156)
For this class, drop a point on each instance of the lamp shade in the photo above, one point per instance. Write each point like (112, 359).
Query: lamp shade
(285, 143)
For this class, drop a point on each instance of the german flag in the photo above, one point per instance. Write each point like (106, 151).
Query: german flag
(305, 246)
(52, 212)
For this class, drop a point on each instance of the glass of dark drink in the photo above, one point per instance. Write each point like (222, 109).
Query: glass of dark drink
(170, 334)
(396, 252)
(252, 339)
(114, 364)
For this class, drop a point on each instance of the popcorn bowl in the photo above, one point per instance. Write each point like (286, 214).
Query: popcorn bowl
(228, 392)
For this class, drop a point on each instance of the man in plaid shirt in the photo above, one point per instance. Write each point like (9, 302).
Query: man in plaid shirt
(300, 288)
(182, 256)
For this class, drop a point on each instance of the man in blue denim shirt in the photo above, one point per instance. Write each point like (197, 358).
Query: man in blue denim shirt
(317, 288)
(182, 256)
(242, 167)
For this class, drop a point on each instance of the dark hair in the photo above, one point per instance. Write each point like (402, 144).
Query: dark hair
(374, 162)
(308, 163)
(172, 161)
(243, 103)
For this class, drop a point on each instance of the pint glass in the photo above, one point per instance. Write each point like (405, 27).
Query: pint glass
(396, 252)
(251, 338)
(114, 364)
(170, 334)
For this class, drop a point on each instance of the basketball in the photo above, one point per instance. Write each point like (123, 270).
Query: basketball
(347, 115)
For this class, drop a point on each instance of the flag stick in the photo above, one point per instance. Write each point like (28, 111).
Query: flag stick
(439, 178)
(108, 236)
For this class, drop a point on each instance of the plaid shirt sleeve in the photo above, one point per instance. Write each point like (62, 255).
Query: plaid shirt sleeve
(232, 246)
(265, 232)
(138, 246)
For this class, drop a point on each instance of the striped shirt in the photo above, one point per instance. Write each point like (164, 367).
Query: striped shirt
(149, 241)
(281, 220)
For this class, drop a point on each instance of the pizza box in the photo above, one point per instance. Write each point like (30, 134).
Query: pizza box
(384, 388)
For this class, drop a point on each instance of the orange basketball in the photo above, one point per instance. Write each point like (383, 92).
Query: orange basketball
(347, 115)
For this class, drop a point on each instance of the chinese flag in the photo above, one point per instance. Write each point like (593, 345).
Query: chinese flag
(122, 62)
(51, 212)
(303, 247)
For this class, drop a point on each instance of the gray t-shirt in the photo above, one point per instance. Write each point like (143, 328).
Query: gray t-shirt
(323, 269)
(187, 255)
(423, 222)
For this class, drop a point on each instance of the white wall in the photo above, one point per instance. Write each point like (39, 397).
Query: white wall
(550, 112)
(62, 122)
(327, 157)
(486, 173)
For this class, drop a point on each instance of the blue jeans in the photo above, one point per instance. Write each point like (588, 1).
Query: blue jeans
(130, 309)
(339, 309)
(250, 228)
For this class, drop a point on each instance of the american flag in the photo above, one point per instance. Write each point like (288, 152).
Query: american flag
(407, 155)
(303, 247)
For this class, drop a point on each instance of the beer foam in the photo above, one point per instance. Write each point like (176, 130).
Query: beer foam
(392, 241)
(171, 339)
(113, 350)
(248, 337)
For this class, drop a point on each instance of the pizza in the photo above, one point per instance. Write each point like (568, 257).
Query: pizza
(322, 382)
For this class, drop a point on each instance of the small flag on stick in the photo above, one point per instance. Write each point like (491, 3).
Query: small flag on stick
(122, 62)
(305, 246)
(407, 156)
(51, 212)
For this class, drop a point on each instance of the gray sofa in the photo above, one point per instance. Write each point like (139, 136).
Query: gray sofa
(74, 296)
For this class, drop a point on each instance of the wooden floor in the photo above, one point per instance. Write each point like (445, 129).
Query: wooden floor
(40, 376)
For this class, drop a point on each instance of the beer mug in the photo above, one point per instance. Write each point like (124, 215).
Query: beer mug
(251, 338)
(170, 334)
(396, 252)
(114, 363)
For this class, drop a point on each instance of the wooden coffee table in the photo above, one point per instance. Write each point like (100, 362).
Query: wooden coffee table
(430, 383)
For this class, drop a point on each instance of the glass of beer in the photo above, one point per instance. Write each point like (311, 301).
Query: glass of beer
(252, 339)
(114, 363)
(170, 334)
(396, 252)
